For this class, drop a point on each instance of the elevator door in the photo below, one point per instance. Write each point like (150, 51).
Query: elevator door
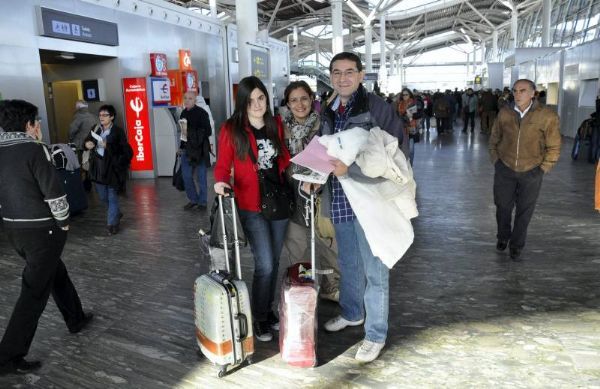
(65, 95)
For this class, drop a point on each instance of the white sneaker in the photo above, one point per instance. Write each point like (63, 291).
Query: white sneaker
(339, 323)
(368, 351)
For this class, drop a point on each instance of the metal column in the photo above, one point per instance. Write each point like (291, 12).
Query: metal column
(246, 16)
(546, 22)
(495, 46)
(213, 8)
(368, 43)
(337, 40)
(514, 27)
(382, 55)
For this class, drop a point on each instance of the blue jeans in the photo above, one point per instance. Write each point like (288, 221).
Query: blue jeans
(364, 281)
(266, 241)
(109, 197)
(190, 187)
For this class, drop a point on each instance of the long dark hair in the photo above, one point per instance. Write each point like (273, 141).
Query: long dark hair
(239, 120)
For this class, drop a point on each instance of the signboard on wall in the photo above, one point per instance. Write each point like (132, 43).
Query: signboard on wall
(91, 90)
(259, 64)
(161, 91)
(158, 63)
(185, 59)
(62, 25)
(135, 99)
(189, 81)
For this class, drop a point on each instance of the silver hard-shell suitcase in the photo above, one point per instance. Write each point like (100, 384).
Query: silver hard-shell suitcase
(223, 316)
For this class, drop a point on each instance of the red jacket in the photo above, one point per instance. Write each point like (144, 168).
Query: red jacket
(245, 182)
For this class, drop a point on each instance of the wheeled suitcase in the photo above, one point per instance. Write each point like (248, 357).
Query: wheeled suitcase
(298, 308)
(223, 316)
(76, 196)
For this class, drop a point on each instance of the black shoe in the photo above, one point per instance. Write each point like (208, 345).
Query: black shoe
(120, 217)
(19, 366)
(262, 331)
(501, 245)
(189, 206)
(202, 207)
(515, 254)
(273, 321)
(109, 229)
(87, 318)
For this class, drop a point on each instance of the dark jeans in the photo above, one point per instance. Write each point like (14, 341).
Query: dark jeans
(469, 116)
(520, 190)
(266, 241)
(44, 273)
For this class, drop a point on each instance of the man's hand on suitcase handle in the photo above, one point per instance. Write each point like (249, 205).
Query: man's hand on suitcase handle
(307, 187)
(223, 189)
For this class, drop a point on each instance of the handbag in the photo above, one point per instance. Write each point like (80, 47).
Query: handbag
(276, 198)
(323, 225)
(178, 182)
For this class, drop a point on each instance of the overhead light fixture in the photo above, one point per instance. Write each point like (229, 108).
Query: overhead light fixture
(462, 30)
(66, 55)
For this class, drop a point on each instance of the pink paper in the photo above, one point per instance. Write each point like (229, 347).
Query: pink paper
(315, 157)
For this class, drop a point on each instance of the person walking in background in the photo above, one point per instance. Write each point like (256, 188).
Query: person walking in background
(35, 213)
(407, 109)
(82, 124)
(470, 104)
(194, 150)
(364, 283)
(524, 145)
(301, 124)
(251, 142)
(489, 107)
(109, 161)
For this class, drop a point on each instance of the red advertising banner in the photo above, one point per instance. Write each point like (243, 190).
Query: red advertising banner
(185, 59)
(189, 80)
(135, 98)
(158, 63)
(176, 92)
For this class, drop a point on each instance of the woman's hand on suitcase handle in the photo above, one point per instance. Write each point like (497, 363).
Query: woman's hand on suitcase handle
(223, 188)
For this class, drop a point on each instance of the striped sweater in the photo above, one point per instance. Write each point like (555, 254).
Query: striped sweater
(31, 193)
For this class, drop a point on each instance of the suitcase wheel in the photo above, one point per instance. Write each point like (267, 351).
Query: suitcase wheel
(249, 359)
(222, 371)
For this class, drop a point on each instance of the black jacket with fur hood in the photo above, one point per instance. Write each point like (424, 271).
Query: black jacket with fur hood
(31, 193)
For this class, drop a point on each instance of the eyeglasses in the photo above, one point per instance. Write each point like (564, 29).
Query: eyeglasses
(347, 73)
(405, 94)
(104, 115)
(296, 100)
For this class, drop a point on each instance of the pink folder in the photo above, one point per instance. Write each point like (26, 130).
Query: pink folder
(315, 157)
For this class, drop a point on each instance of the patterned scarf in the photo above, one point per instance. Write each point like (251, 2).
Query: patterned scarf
(299, 133)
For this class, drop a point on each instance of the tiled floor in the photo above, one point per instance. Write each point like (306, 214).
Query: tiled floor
(462, 315)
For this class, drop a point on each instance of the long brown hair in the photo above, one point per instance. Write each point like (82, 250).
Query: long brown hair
(239, 120)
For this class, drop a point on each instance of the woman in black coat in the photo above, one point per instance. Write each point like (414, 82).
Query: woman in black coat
(109, 161)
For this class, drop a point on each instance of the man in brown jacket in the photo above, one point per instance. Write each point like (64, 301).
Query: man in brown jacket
(524, 145)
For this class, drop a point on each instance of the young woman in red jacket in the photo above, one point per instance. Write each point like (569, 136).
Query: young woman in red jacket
(253, 128)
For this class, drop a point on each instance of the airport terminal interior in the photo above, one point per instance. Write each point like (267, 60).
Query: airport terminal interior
(462, 314)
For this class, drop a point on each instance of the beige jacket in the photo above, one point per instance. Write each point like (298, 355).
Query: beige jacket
(524, 144)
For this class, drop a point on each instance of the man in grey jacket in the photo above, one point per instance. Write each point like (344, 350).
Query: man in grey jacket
(364, 282)
(83, 122)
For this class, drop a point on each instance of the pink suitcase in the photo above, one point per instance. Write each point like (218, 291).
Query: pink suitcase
(298, 309)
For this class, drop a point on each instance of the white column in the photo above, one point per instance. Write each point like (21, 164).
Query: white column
(495, 46)
(514, 25)
(468, 64)
(482, 49)
(368, 44)
(246, 17)
(546, 22)
(337, 41)
(317, 52)
(213, 8)
(401, 70)
(382, 55)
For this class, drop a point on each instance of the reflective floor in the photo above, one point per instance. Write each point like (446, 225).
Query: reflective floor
(462, 315)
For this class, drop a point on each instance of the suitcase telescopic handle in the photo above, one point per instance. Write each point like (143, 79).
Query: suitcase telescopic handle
(243, 320)
(313, 260)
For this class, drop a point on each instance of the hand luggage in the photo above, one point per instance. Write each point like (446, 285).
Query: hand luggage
(222, 310)
(298, 308)
(76, 196)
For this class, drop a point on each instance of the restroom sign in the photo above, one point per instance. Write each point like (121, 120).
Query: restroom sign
(135, 99)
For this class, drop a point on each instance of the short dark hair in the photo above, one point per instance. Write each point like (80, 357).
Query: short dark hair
(15, 114)
(531, 83)
(110, 109)
(297, 85)
(345, 55)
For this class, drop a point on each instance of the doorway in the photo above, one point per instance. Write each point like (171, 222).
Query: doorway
(65, 95)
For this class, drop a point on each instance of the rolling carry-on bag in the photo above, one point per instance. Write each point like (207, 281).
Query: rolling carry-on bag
(298, 308)
(223, 316)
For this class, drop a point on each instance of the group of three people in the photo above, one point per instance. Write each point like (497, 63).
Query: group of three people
(363, 289)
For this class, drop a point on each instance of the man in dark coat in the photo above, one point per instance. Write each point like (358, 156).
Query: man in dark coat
(194, 150)
(35, 213)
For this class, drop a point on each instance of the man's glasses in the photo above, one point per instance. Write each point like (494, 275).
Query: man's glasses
(104, 115)
(347, 73)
